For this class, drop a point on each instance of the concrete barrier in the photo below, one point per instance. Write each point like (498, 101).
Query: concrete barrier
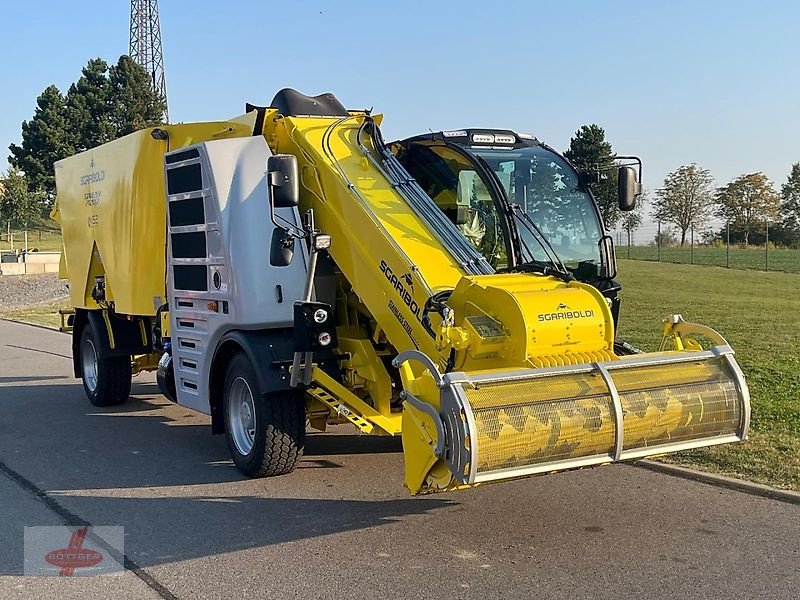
(12, 268)
(35, 262)
(39, 258)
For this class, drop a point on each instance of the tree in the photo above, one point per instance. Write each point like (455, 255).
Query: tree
(631, 220)
(134, 102)
(747, 202)
(686, 200)
(89, 105)
(665, 237)
(46, 138)
(104, 104)
(590, 151)
(18, 204)
(790, 201)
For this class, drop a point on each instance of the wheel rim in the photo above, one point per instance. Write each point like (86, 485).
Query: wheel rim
(89, 364)
(242, 415)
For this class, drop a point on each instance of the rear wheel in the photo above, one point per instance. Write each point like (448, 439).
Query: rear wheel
(265, 432)
(106, 381)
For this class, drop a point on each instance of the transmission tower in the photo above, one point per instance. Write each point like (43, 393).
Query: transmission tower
(145, 46)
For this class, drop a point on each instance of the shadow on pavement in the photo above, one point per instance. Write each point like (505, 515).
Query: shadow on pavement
(53, 436)
(333, 444)
(129, 465)
(164, 530)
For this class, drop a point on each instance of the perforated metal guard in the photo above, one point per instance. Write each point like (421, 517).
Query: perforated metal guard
(539, 420)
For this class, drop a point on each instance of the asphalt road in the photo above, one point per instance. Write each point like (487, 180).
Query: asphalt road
(342, 525)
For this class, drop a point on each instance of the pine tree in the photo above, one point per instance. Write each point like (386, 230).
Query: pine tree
(46, 138)
(790, 201)
(89, 105)
(589, 151)
(134, 102)
(104, 104)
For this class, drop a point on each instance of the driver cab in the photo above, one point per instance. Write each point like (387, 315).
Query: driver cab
(494, 184)
(454, 182)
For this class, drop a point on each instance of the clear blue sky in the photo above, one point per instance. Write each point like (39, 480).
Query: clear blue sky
(676, 82)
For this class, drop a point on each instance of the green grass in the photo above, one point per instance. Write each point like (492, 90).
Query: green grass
(40, 314)
(780, 259)
(47, 241)
(759, 314)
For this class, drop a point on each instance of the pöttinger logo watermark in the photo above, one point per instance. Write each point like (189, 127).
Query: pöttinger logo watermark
(68, 551)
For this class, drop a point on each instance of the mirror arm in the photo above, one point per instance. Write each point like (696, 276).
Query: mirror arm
(290, 228)
(638, 162)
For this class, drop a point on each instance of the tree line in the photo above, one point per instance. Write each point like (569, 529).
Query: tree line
(106, 102)
(749, 205)
(688, 198)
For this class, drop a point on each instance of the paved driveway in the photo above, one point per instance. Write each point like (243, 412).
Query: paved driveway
(342, 526)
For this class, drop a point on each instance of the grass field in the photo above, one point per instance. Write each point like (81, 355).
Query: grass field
(45, 241)
(780, 259)
(41, 314)
(759, 314)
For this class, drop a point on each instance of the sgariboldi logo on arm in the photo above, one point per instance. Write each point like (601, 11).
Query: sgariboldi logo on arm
(403, 290)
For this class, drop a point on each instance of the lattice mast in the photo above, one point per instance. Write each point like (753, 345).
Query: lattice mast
(145, 44)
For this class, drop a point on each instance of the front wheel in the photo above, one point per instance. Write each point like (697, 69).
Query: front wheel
(265, 432)
(106, 381)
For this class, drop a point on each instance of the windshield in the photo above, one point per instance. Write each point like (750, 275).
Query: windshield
(450, 179)
(546, 189)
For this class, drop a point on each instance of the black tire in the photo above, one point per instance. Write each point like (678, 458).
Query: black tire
(165, 378)
(109, 383)
(278, 434)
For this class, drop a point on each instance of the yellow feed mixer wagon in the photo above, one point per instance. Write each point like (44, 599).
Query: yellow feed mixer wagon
(290, 268)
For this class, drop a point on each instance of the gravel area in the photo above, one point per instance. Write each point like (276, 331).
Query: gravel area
(17, 291)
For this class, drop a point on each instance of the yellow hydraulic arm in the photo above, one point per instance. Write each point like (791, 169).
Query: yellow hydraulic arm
(382, 247)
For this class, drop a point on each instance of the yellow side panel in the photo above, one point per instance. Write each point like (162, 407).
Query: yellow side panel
(111, 205)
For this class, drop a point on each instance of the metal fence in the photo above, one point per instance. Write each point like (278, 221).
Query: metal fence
(16, 240)
(656, 242)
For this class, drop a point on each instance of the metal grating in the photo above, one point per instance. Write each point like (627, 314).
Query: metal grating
(680, 414)
(529, 423)
(544, 432)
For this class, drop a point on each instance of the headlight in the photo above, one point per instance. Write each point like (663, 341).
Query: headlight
(322, 241)
(320, 315)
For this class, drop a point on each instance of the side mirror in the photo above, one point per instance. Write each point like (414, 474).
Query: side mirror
(281, 248)
(283, 180)
(629, 188)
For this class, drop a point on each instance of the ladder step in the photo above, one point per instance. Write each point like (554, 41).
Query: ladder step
(340, 408)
